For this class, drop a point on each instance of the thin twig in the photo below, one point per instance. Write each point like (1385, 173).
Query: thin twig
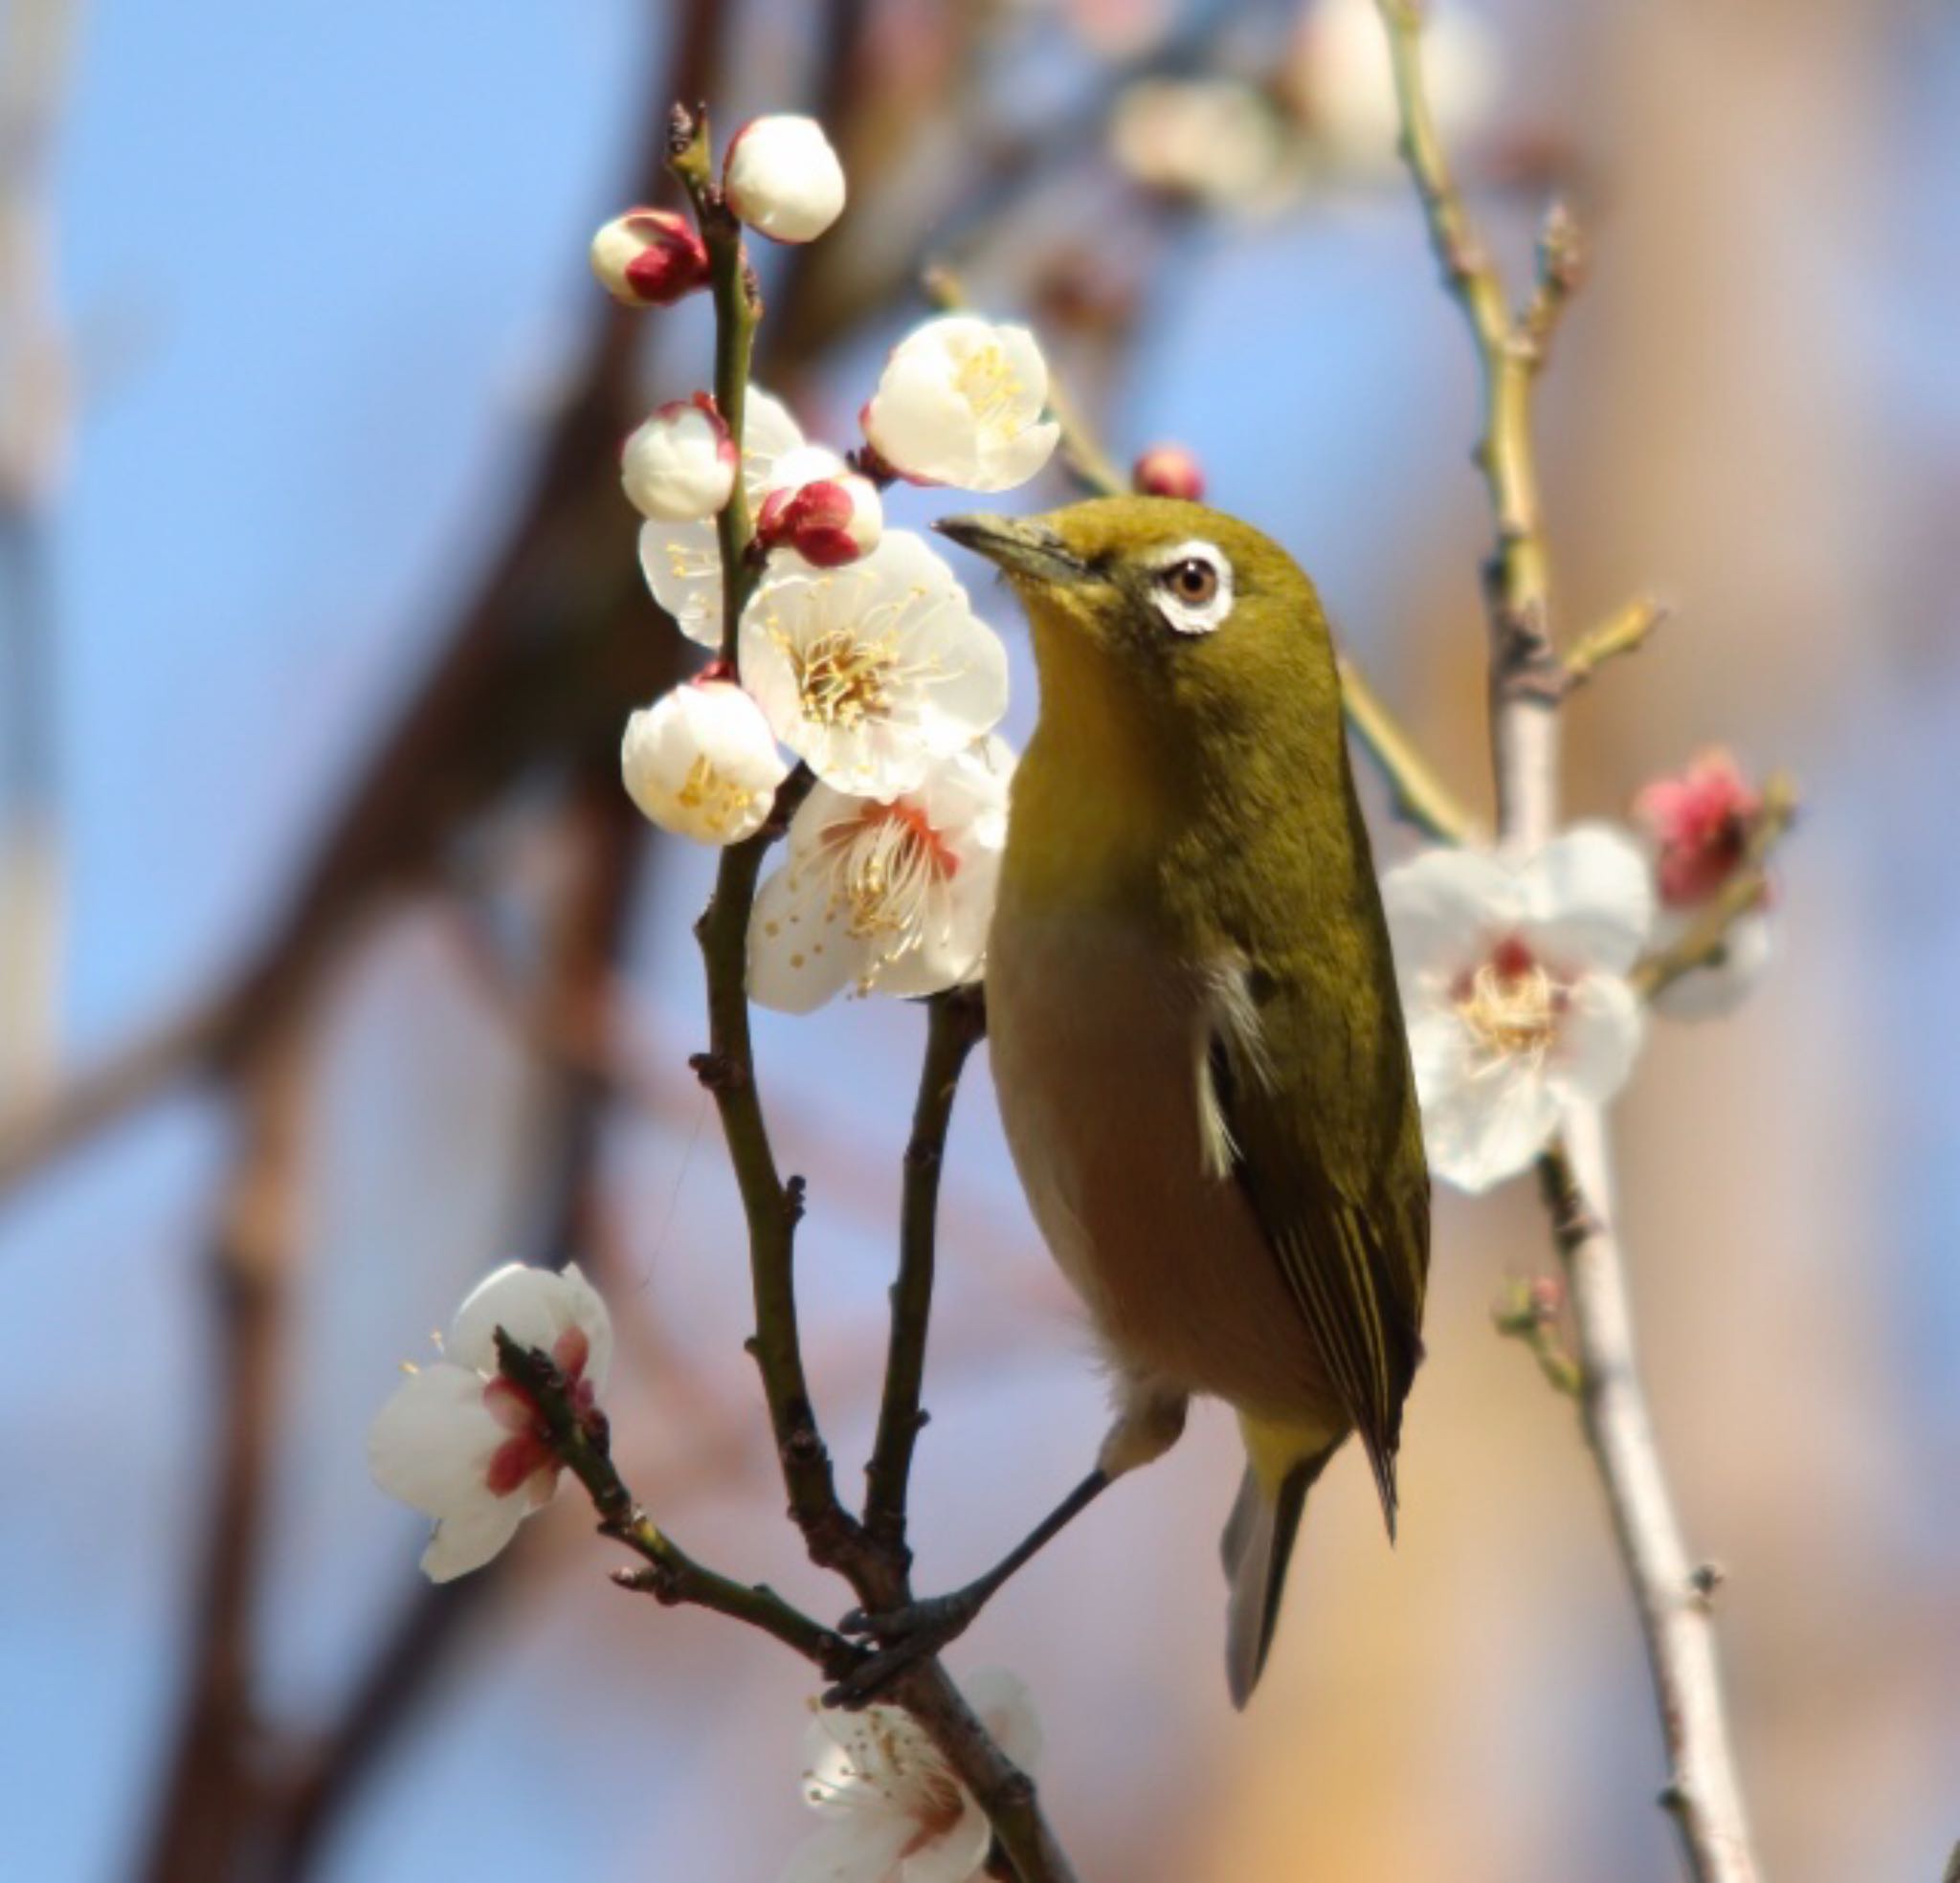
(1622, 632)
(1527, 686)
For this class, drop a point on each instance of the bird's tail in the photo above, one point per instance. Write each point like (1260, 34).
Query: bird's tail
(1257, 1546)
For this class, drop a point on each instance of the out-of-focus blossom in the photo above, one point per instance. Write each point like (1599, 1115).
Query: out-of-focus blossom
(1514, 992)
(1120, 29)
(960, 403)
(829, 522)
(872, 670)
(1212, 140)
(1168, 471)
(649, 259)
(1343, 88)
(702, 761)
(888, 896)
(893, 1812)
(682, 561)
(783, 179)
(465, 1446)
(678, 466)
(1699, 824)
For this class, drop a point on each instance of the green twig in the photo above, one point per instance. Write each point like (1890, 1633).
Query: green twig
(1622, 632)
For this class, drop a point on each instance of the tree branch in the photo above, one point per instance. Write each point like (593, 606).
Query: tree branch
(1703, 1792)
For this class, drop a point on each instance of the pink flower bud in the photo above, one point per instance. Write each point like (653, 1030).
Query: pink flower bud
(783, 179)
(1699, 823)
(680, 466)
(1168, 471)
(829, 522)
(649, 259)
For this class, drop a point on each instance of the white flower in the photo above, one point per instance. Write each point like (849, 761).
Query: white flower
(680, 465)
(649, 259)
(893, 896)
(783, 179)
(1344, 85)
(960, 403)
(459, 1442)
(1514, 992)
(872, 670)
(895, 1812)
(682, 561)
(831, 519)
(702, 761)
(1214, 140)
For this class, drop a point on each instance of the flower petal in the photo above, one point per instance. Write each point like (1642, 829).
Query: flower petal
(1599, 1041)
(535, 1307)
(1588, 897)
(800, 954)
(1001, 1698)
(1442, 905)
(683, 566)
(956, 1854)
(467, 1538)
(1483, 1120)
(866, 1845)
(431, 1444)
(1023, 456)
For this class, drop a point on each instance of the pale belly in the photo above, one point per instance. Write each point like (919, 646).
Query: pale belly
(1095, 1047)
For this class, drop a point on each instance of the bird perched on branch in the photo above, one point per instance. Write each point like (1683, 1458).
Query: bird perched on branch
(1195, 1028)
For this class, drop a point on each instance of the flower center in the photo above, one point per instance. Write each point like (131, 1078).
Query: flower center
(842, 678)
(714, 793)
(991, 388)
(887, 863)
(1513, 1005)
(528, 1450)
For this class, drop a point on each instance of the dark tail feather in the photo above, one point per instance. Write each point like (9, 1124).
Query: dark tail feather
(1258, 1545)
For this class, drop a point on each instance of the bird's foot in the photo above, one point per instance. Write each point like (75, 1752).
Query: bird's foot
(903, 1637)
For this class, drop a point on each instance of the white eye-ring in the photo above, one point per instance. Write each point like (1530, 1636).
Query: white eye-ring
(1193, 586)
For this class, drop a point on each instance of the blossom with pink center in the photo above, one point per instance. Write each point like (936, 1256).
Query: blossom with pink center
(830, 521)
(467, 1447)
(1699, 824)
(1168, 471)
(783, 178)
(650, 259)
(887, 897)
(678, 466)
(1514, 992)
(894, 1810)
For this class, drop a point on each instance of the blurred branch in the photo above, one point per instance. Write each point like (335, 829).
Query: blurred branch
(1703, 1792)
(1623, 632)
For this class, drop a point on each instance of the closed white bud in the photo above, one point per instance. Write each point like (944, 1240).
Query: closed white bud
(680, 466)
(783, 179)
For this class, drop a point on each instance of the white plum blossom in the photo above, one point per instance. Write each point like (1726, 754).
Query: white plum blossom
(894, 1810)
(1514, 990)
(702, 761)
(679, 465)
(960, 403)
(682, 561)
(893, 897)
(833, 517)
(1209, 141)
(1344, 85)
(783, 179)
(462, 1444)
(872, 670)
(650, 259)
(1699, 824)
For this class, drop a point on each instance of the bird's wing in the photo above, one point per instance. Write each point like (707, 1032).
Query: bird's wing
(1335, 1174)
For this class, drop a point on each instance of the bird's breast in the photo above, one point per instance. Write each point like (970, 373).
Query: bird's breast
(1099, 1038)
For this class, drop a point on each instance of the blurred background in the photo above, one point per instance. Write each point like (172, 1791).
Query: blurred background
(335, 967)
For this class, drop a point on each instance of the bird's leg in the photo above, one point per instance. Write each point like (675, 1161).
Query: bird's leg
(1148, 1425)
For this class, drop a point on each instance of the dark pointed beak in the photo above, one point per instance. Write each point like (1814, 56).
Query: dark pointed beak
(1018, 545)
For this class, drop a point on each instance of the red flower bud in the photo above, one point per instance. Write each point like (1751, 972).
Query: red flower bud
(1168, 471)
(649, 259)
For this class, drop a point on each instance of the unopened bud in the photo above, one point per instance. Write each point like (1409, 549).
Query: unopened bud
(783, 179)
(649, 259)
(680, 466)
(829, 522)
(1168, 471)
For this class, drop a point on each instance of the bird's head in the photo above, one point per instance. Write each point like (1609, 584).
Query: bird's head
(1173, 615)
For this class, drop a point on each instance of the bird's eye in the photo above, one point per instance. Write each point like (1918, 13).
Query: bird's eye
(1192, 581)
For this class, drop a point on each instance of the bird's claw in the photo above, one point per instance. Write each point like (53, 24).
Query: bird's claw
(904, 1637)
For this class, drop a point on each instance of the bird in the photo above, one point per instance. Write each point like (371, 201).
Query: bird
(1196, 1039)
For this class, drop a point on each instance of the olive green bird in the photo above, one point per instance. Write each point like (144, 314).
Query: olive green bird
(1194, 1029)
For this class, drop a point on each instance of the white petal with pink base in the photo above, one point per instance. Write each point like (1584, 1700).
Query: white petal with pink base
(894, 1811)
(889, 897)
(460, 1442)
(1514, 992)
